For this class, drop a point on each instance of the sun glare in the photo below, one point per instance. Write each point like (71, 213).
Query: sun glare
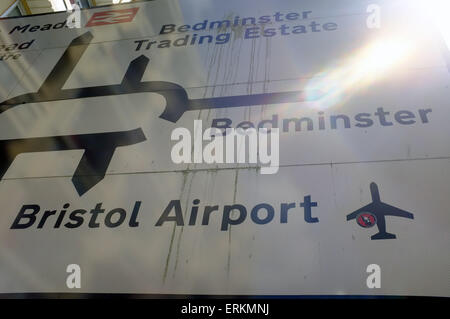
(362, 68)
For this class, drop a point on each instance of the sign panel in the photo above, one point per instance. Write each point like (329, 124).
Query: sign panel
(88, 175)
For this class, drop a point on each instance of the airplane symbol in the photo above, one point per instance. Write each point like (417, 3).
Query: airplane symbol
(99, 148)
(374, 214)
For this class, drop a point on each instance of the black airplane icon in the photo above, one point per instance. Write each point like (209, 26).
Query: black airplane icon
(374, 214)
(100, 147)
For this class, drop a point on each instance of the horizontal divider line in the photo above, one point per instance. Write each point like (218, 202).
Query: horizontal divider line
(192, 170)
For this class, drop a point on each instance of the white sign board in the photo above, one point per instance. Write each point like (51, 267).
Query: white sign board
(364, 158)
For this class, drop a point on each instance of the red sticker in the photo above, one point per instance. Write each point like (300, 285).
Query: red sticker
(366, 220)
(112, 17)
